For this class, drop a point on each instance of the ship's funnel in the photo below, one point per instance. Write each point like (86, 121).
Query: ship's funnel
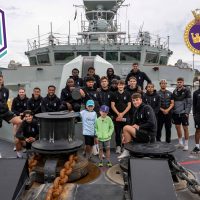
(82, 63)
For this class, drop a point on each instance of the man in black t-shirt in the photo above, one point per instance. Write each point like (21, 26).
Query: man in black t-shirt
(120, 104)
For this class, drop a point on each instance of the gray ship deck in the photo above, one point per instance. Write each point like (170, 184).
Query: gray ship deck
(189, 161)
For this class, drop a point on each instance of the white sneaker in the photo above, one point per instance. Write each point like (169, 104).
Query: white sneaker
(14, 149)
(103, 156)
(179, 146)
(124, 154)
(118, 150)
(185, 148)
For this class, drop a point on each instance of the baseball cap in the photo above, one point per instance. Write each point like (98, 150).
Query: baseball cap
(104, 108)
(90, 103)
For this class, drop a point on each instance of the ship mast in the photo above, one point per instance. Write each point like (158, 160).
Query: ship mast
(101, 21)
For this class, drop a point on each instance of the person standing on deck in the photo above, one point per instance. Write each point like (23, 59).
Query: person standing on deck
(120, 104)
(181, 110)
(165, 112)
(196, 114)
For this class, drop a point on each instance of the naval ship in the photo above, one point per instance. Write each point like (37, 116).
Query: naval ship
(100, 36)
(103, 44)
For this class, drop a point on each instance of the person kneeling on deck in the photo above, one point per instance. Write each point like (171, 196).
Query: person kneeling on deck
(27, 133)
(144, 126)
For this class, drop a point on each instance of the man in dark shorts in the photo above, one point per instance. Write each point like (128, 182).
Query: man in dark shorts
(196, 114)
(144, 126)
(182, 106)
(5, 114)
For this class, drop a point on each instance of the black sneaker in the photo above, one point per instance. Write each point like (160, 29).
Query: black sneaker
(196, 150)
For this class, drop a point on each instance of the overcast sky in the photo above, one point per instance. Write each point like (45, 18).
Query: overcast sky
(159, 17)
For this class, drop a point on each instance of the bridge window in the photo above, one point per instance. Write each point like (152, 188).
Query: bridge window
(97, 53)
(151, 58)
(63, 56)
(112, 56)
(83, 53)
(130, 56)
(33, 60)
(163, 60)
(43, 59)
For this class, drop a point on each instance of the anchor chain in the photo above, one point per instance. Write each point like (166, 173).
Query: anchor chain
(192, 184)
(55, 191)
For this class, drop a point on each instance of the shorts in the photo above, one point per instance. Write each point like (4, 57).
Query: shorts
(197, 121)
(104, 144)
(142, 137)
(179, 119)
(89, 140)
(7, 116)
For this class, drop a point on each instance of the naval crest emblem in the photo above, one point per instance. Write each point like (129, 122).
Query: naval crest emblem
(192, 33)
(3, 42)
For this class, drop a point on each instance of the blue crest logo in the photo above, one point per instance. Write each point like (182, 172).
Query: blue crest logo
(3, 42)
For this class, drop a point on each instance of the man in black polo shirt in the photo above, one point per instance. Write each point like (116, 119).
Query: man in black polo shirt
(196, 114)
(140, 76)
(144, 126)
(104, 93)
(165, 114)
(27, 133)
(120, 104)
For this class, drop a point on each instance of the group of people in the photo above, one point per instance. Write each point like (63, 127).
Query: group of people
(111, 105)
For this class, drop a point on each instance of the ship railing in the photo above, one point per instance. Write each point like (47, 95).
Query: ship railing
(50, 39)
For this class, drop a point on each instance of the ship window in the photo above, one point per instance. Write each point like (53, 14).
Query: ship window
(112, 56)
(43, 58)
(64, 56)
(151, 58)
(83, 53)
(130, 56)
(33, 60)
(163, 60)
(97, 53)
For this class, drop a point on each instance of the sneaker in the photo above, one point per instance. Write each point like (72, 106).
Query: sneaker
(103, 156)
(124, 154)
(14, 149)
(118, 149)
(185, 148)
(109, 164)
(100, 164)
(179, 146)
(196, 150)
